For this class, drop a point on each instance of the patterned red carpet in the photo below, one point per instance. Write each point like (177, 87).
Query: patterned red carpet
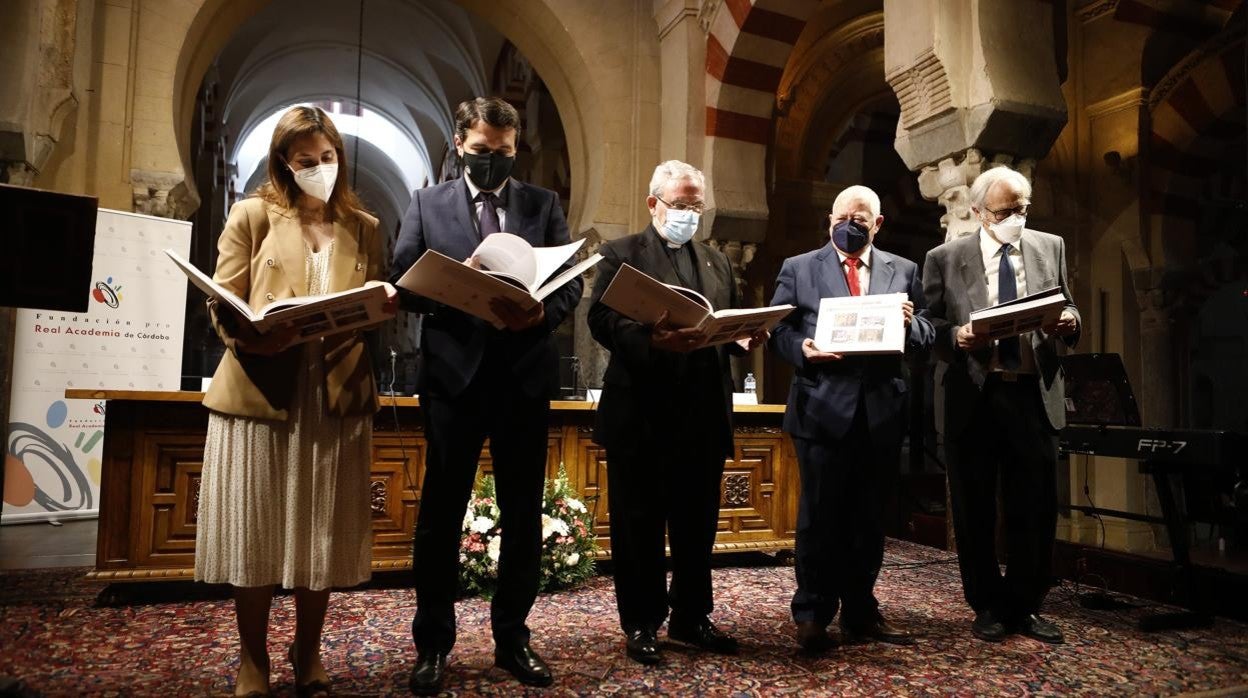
(56, 636)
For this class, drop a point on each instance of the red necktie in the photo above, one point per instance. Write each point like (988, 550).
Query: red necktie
(851, 275)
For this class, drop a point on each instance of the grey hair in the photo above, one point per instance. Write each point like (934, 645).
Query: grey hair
(858, 191)
(674, 170)
(985, 181)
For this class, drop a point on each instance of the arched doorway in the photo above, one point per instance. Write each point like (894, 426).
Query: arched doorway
(389, 72)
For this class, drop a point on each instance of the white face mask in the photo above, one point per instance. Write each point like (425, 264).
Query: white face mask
(680, 226)
(317, 182)
(1010, 229)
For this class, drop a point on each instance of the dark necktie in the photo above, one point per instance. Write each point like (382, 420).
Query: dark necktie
(851, 275)
(1007, 290)
(489, 213)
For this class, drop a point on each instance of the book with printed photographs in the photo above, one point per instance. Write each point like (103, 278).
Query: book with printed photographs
(1031, 312)
(312, 316)
(510, 268)
(871, 324)
(643, 298)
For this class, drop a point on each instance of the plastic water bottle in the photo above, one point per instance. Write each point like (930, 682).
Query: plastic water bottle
(749, 383)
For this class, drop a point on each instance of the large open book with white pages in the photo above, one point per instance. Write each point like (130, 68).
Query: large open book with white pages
(312, 316)
(643, 298)
(510, 268)
(871, 324)
(1031, 312)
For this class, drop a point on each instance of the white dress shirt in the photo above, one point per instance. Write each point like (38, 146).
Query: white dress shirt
(990, 249)
(864, 269)
(477, 205)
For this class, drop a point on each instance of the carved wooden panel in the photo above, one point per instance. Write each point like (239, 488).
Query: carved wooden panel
(167, 503)
(748, 505)
(394, 489)
(153, 455)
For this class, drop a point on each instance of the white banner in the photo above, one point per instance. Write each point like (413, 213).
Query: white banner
(130, 338)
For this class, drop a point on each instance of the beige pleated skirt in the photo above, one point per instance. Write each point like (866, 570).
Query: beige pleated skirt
(287, 502)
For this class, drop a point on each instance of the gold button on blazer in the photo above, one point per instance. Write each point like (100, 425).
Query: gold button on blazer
(261, 259)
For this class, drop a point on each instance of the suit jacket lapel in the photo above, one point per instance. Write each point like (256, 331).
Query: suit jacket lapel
(284, 225)
(462, 215)
(346, 269)
(881, 272)
(1035, 264)
(515, 206)
(973, 272)
(708, 283)
(832, 282)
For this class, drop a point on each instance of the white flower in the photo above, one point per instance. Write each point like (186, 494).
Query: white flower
(482, 524)
(494, 547)
(573, 559)
(551, 526)
(467, 517)
(574, 504)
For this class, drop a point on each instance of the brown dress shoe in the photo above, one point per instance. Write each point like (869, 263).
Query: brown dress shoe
(879, 630)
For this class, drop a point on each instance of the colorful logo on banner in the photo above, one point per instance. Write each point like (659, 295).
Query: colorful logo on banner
(107, 292)
(31, 446)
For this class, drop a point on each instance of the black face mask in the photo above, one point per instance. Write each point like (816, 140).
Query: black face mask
(488, 170)
(850, 236)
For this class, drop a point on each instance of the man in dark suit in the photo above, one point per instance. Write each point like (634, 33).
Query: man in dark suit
(478, 382)
(846, 415)
(1003, 404)
(665, 420)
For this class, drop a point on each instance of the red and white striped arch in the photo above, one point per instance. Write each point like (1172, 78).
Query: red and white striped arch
(1196, 111)
(747, 47)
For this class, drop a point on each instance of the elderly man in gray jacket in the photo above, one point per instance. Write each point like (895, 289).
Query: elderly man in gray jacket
(1003, 405)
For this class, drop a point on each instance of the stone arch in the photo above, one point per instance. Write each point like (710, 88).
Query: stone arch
(532, 25)
(748, 45)
(835, 62)
(1194, 113)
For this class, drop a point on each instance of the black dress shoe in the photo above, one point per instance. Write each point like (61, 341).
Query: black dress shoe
(1037, 628)
(524, 664)
(702, 633)
(428, 674)
(813, 637)
(643, 646)
(987, 628)
(879, 630)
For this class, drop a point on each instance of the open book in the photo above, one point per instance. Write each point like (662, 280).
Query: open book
(313, 316)
(870, 324)
(1031, 312)
(510, 268)
(643, 298)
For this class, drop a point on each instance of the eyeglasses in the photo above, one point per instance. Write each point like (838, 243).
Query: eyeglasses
(1007, 212)
(682, 206)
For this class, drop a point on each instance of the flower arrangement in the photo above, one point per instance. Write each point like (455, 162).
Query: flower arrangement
(568, 544)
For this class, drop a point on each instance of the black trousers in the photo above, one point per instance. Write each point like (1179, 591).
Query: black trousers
(492, 406)
(840, 528)
(677, 487)
(1008, 441)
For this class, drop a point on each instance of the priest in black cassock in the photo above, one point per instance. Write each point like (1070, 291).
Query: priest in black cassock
(665, 420)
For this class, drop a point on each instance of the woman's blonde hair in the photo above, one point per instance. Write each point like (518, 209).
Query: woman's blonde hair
(280, 189)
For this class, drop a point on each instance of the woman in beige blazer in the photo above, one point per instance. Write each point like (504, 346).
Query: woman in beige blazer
(284, 497)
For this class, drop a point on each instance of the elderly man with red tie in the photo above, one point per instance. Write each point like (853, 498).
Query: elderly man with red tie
(846, 415)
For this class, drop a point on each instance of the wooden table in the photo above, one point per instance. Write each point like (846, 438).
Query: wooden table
(153, 452)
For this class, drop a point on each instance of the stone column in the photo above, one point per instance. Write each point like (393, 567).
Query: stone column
(682, 60)
(948, 183)
(161, 194)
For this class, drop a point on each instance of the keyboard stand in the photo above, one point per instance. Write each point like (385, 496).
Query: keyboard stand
(1175, 514)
